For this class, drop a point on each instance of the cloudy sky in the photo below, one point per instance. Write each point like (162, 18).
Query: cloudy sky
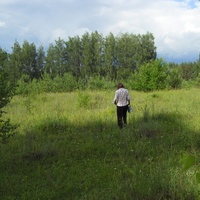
(175, 24)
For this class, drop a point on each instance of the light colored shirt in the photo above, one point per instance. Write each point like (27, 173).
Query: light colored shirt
(121, 97)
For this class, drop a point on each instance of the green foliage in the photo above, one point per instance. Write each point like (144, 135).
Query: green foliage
(3, 58)
(29, 56)
(73, 56)
(15, 67)
(23, 85)
(127, 57)
(67, 83)
(46, 82)
(6, 130)
(188, 84)
(174, 79)
(98, 83)
(198, 81)
(83, 57)
(188, 161)
(134, 50)
(6, 92)
(83, 100)
(189, 70)
(150, 76)
(110, 57)
(198, 177)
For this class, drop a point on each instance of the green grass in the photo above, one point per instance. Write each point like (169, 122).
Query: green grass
(68, 146)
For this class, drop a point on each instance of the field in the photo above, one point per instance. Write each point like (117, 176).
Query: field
(68, 147)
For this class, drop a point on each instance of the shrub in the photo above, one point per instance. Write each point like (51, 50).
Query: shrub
(99, 83)
(174, 79)
(6, 92)
(46, 83)
(188, 84)
(150, 76)
(23, 85)
(69, 83)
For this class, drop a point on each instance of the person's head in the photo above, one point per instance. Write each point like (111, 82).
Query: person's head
(120, 85)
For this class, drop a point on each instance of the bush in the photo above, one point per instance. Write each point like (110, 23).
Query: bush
(99, 83)
(69, 83)
(174, 79)
(198, 81)
(6, 92)
(46, 83)
(188, 84)
(150, 76)
(23, 85)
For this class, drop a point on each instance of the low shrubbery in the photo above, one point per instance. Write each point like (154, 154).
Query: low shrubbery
(151, 76)
(67, 83)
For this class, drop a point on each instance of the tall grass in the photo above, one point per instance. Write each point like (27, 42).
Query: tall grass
(69, 147)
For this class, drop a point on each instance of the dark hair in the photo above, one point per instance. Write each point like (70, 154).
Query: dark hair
(120, 85)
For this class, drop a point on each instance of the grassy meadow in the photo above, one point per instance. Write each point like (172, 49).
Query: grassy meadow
(68, 147)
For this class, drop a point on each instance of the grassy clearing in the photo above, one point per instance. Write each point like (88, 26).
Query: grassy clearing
(69, 147)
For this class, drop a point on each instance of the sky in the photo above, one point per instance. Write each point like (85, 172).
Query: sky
(175, 24)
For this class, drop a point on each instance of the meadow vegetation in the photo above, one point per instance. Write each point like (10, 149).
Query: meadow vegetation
(69, 147)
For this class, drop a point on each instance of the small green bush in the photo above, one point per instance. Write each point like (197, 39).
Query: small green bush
(174, 79)
(151, 76)
(99, 83)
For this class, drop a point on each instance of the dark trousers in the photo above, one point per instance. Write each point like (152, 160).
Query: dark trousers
(121, 115)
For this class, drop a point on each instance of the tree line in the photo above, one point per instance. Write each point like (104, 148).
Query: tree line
(95, 59)
(85, 56)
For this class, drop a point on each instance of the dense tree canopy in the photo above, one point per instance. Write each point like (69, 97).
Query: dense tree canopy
(86, 56)
(110, 58)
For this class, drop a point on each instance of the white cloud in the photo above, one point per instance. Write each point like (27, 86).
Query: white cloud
(174, 24)
(2, 24)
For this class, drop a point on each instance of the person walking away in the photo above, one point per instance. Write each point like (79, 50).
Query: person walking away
(122, 101)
